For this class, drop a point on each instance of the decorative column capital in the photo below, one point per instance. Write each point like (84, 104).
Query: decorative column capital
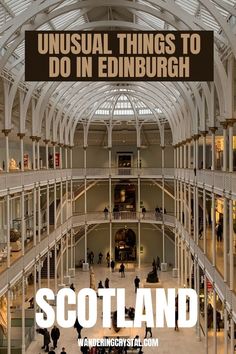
(231, 122)
(6, 132)
(162, 147)
(224, 124)
(188, 140)
(33, 137)
(21, 135)
(60, 145)
(53, 143)
(70, 147)
(196, 136)
(204, 133)
(213, 129)
(37, 138)
(46, 141)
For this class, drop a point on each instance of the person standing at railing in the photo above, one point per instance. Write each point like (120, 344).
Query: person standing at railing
(106, 211)
(143, 212)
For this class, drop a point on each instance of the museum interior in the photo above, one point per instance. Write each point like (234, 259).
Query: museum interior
(127, 171)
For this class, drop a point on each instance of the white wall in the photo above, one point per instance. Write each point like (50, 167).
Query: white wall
(97, 156)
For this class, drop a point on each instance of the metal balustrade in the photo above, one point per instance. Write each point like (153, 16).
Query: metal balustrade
(212, 274)
(218, 180)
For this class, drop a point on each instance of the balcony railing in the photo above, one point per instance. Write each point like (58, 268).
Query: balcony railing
(149, 216)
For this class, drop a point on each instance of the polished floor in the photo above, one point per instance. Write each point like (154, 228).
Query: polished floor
(170, 341)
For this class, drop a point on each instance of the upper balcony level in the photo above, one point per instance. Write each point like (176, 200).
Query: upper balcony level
(217, 181)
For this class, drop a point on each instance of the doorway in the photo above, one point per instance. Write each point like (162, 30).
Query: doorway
(125, 245)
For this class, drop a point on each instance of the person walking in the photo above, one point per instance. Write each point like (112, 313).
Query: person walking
(46, 340)
(85, 348)
(176, 313)
(63, 351)
(100, 258)
(91, 257)
(55, 335)
(106, 283)
(72, 287)
(108, 259)
(78, 328)
(148, 330)
(112, 265)
(219, 232)
(136, 283)
(122, 270)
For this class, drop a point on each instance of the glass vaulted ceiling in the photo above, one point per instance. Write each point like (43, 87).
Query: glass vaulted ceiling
(77, 18)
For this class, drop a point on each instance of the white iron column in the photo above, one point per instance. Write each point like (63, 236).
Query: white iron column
(204, 133)
(55, 204)
(213, 230)
(163, 203)
(9, 320)
(6, 132)
(225, 236)
(231, 148)
(213, 147)
(38, 153)
(8, 230)
(39, 213)
(231, 246)
(21, 136)
(225, 161)
(46, 141)
(23, 234)
(206, 313)
(23, 315)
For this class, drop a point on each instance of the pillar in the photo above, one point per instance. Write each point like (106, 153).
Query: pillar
(39, 214)
(225, 329)
(204, 134)
(213, 235)
(55, 267)
(205, 312)
(231, 135)
(66, 157)
(38, 153)
(231, 246)
(33, 138)
(71, 156)
(213, 144)
(6, 132)
(54, 154)
(9, 320)
(23, 315)
(189, 152)
(21, 136)
(225, 161)
(225, 236)
(46, 141)
(23, 222)
(8, 230)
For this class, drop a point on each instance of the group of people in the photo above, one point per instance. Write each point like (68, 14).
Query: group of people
(47, 337)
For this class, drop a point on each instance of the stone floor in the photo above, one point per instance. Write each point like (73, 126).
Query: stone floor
(170, 341)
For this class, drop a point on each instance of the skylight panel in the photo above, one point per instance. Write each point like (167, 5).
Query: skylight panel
(61, 21)
(17, 6)
(4, 15)
(190, 6)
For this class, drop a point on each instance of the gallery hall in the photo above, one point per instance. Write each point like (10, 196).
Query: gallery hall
(117, 184)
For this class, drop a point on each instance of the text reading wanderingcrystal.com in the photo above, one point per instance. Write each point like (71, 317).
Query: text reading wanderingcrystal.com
(118, 342)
